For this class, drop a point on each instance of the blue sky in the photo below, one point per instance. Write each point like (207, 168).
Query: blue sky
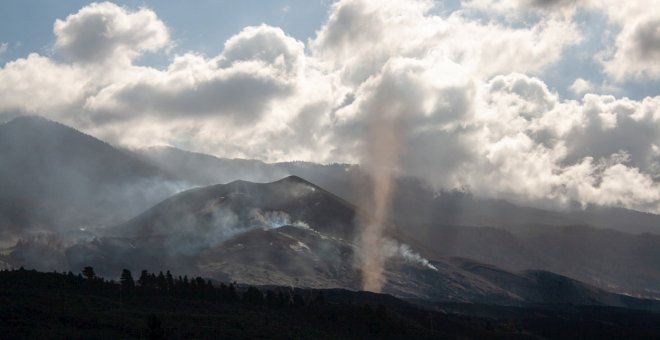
(202, 26)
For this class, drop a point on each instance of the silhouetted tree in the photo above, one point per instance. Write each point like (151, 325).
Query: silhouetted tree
(170, 281)
(126, 279)
(144, 280)
(161, 282)
(231, 293)
(88, 272)
(72, 279)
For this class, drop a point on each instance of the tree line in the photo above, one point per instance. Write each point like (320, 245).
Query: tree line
(167, 284)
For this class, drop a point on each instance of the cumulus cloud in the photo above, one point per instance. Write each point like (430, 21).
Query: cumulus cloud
(635, 29)
(637, 50)
(569, 151)
(257, 66)
(466, 90)
(637, 43)
(580, 86)
(35, 84)
(267, 45)
(361, 36)
(104, 31)
(241, 93)
(513, 10)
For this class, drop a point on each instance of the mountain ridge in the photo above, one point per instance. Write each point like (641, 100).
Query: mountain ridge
(413, 201)
(52, 174)
(302, 222)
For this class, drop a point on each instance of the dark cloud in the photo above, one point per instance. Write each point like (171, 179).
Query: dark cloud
(553, 3)
(240, 96)
(647, 40)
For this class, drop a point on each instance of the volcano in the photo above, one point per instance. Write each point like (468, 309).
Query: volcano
(293, 233)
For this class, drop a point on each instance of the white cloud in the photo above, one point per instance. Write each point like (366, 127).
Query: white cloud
(637, 50)
(360, 36)
(634, 24)
(565, 151)
(3, 47)
(581, 86)
(192, 87)
(470, 109)
(36, 84)
(637, 44)
(104, 31)
(267, 45)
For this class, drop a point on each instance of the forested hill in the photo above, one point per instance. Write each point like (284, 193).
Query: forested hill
(67, 305)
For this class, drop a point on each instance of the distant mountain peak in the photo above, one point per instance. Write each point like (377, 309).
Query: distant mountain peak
(45, 128)
(30, 118)
(291, 179)
(50, 168)
(295, 179)
(32, 121)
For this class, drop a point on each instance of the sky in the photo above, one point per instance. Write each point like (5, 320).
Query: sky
(531, 100)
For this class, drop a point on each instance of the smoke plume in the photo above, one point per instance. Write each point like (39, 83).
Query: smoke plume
(383, 151)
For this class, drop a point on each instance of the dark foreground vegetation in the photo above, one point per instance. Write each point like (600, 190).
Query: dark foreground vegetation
(162, 306)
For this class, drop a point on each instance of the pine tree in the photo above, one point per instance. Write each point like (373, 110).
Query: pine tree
(88, 272)
(144, 279)
(161, 282)
(170, 281)
(127, 279)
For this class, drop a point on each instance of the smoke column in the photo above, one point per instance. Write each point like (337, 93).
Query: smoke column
(383, 151)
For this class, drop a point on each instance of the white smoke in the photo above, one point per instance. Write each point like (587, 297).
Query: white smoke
(409, 255)
(392, 249)
(273, 219)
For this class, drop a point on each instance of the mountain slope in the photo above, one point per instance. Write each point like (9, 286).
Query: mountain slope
(510, 236)
(606, 258)
(55, 177)
(204, 170)
(229, 208)
(293, 233)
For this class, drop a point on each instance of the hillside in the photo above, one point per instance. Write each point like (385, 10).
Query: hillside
(610, 259)
(54, 178)
(293, 233)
